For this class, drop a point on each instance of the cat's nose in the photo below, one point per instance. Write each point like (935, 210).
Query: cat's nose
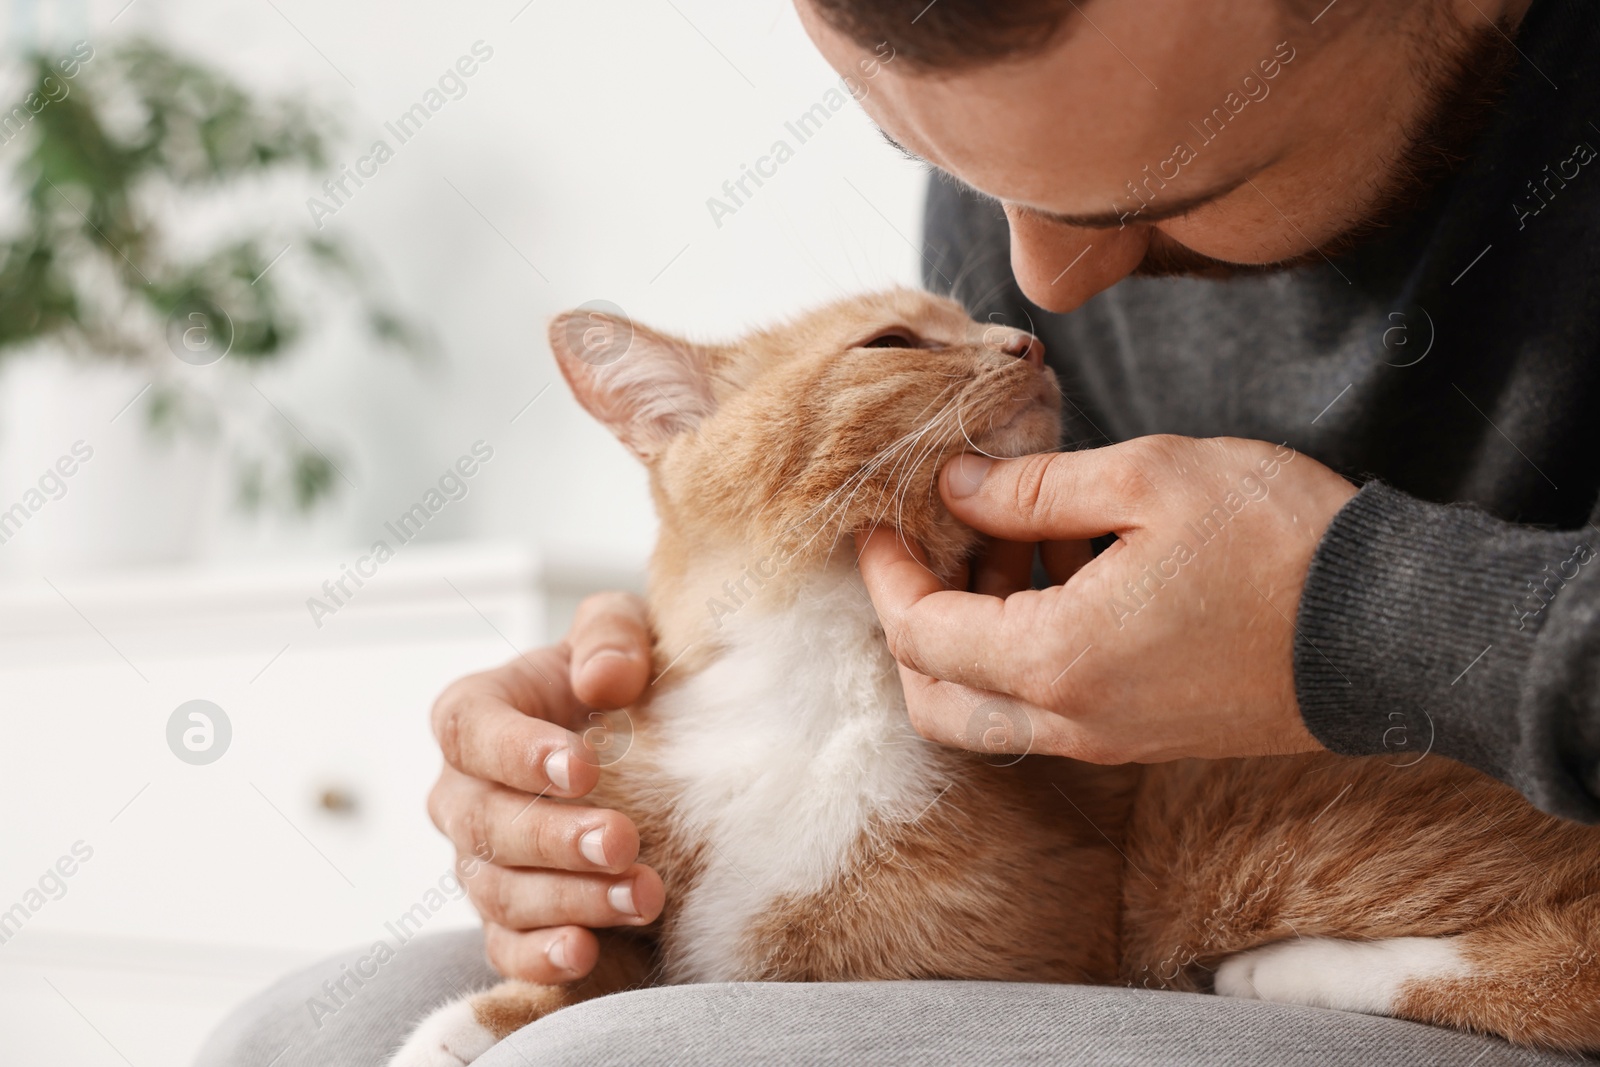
(1024, 345)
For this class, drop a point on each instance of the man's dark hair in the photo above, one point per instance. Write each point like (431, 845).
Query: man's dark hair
(949, 34)
(953, 35)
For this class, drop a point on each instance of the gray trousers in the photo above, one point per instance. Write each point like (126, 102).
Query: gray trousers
(299, 1023)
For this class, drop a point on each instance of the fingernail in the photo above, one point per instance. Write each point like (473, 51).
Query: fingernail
(621, 898)
(593, 846)
(557, 768)
(965, 474)
(601, 654)
(558, 955)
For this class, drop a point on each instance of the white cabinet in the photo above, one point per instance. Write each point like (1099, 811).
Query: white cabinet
(308, 834)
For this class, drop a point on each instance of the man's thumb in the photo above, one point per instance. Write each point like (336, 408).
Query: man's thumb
(964, 475)
(1047, 497)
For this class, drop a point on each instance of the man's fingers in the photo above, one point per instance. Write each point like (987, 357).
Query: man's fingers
(995, 724)
(895, 576)
(897, 580)
(940, 711)
(1051, 496)
(546, 957)
(517, 830)
(529, 899)
(610, 650)
(984, 642)
(485, 737)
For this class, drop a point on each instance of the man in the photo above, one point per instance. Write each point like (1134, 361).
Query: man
(1317, 247)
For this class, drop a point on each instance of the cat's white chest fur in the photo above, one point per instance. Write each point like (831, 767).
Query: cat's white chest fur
(779, 755)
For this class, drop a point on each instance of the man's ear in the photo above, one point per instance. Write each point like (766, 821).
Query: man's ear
(646, 387)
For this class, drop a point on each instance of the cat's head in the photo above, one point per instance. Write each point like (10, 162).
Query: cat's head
(792, 438)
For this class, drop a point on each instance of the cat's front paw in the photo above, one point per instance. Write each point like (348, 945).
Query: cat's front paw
(451, 1037)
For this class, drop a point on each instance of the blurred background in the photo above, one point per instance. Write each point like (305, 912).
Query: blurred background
(241, 344)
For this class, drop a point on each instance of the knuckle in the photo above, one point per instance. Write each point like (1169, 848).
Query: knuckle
(1058, 668)
(894, 634)
(1162, 452)
(471, 827)
(1127, 478)
(500, 947)
(1087, 747)
(902, 643)
(931, 713)
(612, 609)
(1127, 482)
(511, 755)
(1034, 686)
(924, 721)
(1038, 482)
(1101, 754)
(917, 712)
(448, 713)
(500, 895)
(549, 836)
(486, 893)
(438, 803)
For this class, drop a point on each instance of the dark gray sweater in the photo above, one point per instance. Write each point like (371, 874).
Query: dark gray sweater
(1451, 366)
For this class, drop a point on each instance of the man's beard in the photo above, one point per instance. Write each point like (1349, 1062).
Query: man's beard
(1462, 91)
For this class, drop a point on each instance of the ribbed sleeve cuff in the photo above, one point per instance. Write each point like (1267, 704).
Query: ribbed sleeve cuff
(1416, 627)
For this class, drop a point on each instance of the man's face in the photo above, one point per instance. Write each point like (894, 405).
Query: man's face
(1173, 132)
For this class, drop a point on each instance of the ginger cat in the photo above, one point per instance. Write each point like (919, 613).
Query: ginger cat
(805, 832)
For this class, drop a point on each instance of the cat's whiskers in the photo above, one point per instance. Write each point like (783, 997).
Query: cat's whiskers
(939, 444)
(912, 463)
(973, 261)
(970, 442)
(899, 463)
(900, 453)
(863, 472)
(994, 291)
(892, 452)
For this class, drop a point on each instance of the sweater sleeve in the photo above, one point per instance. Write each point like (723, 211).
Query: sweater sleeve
(1438, 628)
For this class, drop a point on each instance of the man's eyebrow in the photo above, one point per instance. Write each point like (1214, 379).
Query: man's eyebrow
(1115, 219)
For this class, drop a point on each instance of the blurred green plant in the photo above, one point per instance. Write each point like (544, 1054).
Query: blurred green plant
(93, 269)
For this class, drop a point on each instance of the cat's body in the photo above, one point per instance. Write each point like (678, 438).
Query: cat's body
(805, 832)
(1388, 885)
(828, 841)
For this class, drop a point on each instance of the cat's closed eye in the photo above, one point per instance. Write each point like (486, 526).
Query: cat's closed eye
(893, 339)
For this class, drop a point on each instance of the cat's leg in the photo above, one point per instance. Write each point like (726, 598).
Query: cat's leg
(1534, 980)
(462, 1030)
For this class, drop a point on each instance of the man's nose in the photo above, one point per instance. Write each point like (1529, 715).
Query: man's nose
(1059, 267)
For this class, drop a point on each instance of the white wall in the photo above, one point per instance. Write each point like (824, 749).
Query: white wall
(591, 142)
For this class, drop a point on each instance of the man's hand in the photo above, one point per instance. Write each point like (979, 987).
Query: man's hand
(539, 868)
(1176, 641)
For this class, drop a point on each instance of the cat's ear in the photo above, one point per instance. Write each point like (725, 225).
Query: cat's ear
(645, 386)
